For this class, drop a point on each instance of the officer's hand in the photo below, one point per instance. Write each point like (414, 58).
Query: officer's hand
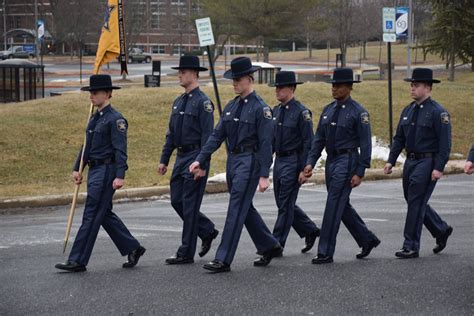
(436, 175)
(301, 178)
(162, 169)
(194, 167)
(118, 183)
(201, 173)
(387, 169)
(355, 181)
(77, 177)
(263, 184)
(468, 167)
(308, 171)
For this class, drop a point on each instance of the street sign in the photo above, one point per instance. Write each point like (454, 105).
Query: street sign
(389, 18)
(204, 30)
(389, 37)
(401, 27)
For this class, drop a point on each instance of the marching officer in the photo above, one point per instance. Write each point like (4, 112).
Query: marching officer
(469, 165)
(245, 123)
(343, 128)
(106, 155)
(293, 133)
(191, 123)
(424, 130)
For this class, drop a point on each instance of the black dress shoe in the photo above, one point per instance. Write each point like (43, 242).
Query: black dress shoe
(133, 257)
(71, 266)
(310, 240)
(217, 266)
(441, 241)
(368, 248)
(267, 257)
(321, 259)
(206, 243)
(179, 260)
(407, 254)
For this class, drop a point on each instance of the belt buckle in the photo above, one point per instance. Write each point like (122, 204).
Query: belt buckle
(412, 156)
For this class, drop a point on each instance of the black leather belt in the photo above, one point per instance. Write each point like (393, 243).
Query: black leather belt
(287, 153)
(416, 156)
(242, 149)
(99, 162)
(337, 152)
(187, 148)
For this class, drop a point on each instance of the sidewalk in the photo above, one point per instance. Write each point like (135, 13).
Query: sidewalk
(156, 192)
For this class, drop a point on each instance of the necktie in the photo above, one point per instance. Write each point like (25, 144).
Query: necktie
(281, 119)
(235, 125)
(179, 122)
(411, 137)
(90, 134)
(331, 139)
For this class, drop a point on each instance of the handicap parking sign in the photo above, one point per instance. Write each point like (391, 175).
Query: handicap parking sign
(389, 25)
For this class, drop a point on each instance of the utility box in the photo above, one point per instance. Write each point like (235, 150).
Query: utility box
(154, 80)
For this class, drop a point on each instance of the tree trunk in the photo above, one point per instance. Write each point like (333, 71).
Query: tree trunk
(266, 51)
(472, 63)
(364, 51)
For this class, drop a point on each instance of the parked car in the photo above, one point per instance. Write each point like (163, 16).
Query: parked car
(16, 52)
(138, 56)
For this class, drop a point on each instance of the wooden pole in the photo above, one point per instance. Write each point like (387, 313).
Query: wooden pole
(77, 186)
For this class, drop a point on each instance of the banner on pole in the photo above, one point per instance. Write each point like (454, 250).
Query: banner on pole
(401, 26)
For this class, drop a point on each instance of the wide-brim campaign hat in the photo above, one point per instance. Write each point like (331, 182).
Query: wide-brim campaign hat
(343, 75)
(239, 67)
(422, 75)
(285, 78)
(100, 82)
(189, 62)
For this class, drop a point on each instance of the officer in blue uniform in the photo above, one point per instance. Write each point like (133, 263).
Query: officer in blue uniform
(469, 165)
(344, 130)
(245, 123)
(424, 130)
(292, 137)
(191, 123)
(106, 154)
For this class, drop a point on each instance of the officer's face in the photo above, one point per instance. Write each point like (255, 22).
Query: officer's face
(99, 98)
(242, 84)
(341, 91)
(419, 91)
(186, 77)
(284, 94)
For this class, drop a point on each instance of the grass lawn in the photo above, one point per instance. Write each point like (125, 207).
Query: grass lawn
(40, 138)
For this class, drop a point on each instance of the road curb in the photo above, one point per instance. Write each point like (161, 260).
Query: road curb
(145, 193)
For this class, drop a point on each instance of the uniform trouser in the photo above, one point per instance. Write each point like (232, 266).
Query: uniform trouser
(339, 171)
(186, 198)
(286, 187)
(97, 212)
(417, 189)
(242, 180)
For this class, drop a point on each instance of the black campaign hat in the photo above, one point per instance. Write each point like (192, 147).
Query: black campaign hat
(422, 75)
(100, 82)
(285, 78)
(189, 62)
(343, 75)
(240, 67)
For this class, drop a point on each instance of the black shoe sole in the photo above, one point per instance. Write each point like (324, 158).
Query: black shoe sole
(188, 261)
(413, 256)
(78, 269)
(214, 270)
(315, 261)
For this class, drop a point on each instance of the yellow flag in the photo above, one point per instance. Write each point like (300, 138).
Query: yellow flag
(112, 38)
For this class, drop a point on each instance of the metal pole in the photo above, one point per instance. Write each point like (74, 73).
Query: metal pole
(36, 31)
(410, 38)
(214, 81)
(5, 25)
(389, 53)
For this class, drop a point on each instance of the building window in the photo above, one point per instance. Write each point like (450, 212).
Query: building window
(158, 49)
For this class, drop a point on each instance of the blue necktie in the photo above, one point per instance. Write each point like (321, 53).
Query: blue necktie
(179, 122)
(281, 119)
(234, 136)
(411, 137)
(331, 139)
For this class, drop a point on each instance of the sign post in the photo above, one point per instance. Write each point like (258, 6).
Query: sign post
(389, 36)
(206, 39)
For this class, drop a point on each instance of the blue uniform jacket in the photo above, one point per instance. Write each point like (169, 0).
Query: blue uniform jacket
(198, 123)
(297, 129)
(433, 133)
(254, 131)
(106, 139)
(353, 131)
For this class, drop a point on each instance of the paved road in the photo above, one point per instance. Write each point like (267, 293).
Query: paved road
(31, 243)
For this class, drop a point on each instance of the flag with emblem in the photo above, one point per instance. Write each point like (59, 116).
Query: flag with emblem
(112, 38)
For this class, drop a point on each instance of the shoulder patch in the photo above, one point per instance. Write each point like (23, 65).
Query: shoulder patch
(306, 115)
(364, 118)
(208, 107)
(445, 119)
(121, 125)
(267, 113)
